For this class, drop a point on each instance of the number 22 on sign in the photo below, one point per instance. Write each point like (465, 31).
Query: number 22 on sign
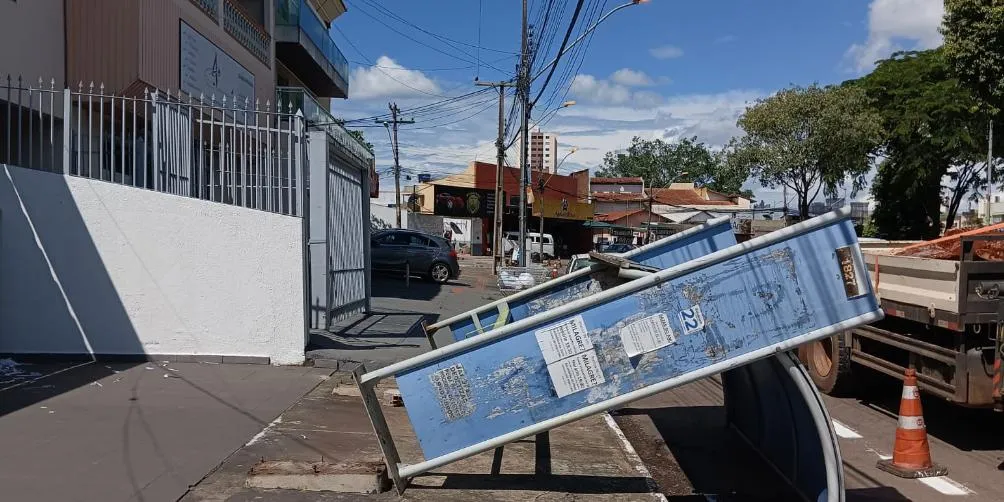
(692, 319)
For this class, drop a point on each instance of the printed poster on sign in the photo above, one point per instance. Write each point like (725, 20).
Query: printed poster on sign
(646, 335)
(576, 373)
(564, 339)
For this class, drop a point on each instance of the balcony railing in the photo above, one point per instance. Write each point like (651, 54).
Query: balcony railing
(317, 116)
(297, 13)
(210, 7)
(245, 30)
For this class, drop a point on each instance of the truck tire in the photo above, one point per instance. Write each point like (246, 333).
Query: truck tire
(828, 362)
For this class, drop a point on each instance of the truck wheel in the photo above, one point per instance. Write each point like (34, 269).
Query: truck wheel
(829, 364)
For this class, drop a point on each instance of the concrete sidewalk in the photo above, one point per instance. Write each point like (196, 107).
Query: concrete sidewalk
(144, 431)
(589, 459)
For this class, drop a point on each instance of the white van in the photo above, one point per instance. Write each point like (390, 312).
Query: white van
(532, 243)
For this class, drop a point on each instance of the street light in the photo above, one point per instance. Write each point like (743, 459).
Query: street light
(543, 183)
(584, 35)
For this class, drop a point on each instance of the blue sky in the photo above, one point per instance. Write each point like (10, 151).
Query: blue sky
(664, 69)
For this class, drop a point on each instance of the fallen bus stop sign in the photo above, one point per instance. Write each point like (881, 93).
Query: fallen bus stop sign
(709, 315)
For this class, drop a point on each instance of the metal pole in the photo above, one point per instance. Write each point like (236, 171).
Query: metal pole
(497, 254)
(542, 221)
(397, 167)
(524, 88)
(990, 173)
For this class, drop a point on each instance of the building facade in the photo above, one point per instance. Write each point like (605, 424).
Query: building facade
(543, 151)
(615, 195)
(562, 207)
(187, 123)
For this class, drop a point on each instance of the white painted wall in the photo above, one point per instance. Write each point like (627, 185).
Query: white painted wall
(119, 270)
(383, 217)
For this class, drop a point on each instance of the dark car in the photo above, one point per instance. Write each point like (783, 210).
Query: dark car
(424, 254)
(616, 248)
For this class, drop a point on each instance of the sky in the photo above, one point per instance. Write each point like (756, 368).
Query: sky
(664, 69)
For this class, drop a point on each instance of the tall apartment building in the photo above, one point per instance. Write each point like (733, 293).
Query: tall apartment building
(543, 151)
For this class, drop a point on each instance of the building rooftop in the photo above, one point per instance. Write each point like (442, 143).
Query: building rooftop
(617, 181)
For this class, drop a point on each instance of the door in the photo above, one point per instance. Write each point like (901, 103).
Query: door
(421, 252)
(346, 239)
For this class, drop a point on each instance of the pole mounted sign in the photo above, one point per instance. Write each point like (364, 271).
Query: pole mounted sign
(572, 359)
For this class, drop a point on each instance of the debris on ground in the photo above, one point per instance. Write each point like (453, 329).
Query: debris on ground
(949, 246)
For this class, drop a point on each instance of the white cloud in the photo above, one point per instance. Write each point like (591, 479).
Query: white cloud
(897, 25)
(726, 39)
(666, 52)
(389, 79)
(631, 78)
(615, 91)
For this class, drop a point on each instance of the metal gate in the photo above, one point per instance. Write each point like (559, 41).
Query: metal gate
(346, 292)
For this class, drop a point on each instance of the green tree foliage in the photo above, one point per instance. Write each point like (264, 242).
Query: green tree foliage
(661, 163)
(362, 139)
(974, 44)
(931, 131)
(807, 139)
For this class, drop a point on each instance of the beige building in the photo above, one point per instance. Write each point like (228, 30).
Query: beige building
(251, 49)
(543, 151)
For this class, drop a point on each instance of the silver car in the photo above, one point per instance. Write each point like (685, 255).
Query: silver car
(427, 255)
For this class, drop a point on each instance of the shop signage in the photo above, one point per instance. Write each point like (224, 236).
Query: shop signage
(463, 202)
(206, 70)
(564, 208)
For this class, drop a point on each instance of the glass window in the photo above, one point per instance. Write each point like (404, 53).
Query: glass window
(418, 241)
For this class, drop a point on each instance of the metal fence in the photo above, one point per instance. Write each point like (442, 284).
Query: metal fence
(220, 149)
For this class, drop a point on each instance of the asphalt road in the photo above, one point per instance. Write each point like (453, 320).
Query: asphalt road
(680, 434)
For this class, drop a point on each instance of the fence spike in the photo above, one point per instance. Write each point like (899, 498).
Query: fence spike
(90, 89)
(20, 82)
(268, 106)
(224, 105)
(202, 98)
(40, 82)
(52, 84)
(247, 102)
(212, 101)
(179, 96)
(101, 89)
(257, 104)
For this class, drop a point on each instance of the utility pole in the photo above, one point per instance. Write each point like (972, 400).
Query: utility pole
(497, 254)
(524, 163)
(990, 173)
(391, 125)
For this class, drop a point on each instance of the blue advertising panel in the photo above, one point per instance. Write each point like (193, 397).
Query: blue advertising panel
(664, 253)
(707, 315)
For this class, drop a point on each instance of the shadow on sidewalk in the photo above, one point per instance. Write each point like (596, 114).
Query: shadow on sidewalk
(706, 454)
(577, 484)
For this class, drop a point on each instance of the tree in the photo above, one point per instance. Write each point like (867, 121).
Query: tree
(660, 163)
(362, 139)
(358, 135)
(974, 44)
(932, 131)
(807, 139)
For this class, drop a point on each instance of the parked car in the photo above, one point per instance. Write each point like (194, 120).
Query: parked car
(533, 243)
(616, 248)
(579, 261)
(428, 255)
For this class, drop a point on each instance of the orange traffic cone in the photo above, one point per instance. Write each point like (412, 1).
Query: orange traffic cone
(911, 455)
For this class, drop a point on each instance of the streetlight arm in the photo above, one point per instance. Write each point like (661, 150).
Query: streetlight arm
(583, 36)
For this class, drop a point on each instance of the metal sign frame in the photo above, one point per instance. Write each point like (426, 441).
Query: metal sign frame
(368, 380)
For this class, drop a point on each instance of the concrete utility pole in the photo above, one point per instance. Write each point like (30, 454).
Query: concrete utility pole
(524, 162)
(497, 254)
(990, 173)
(391, 125)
